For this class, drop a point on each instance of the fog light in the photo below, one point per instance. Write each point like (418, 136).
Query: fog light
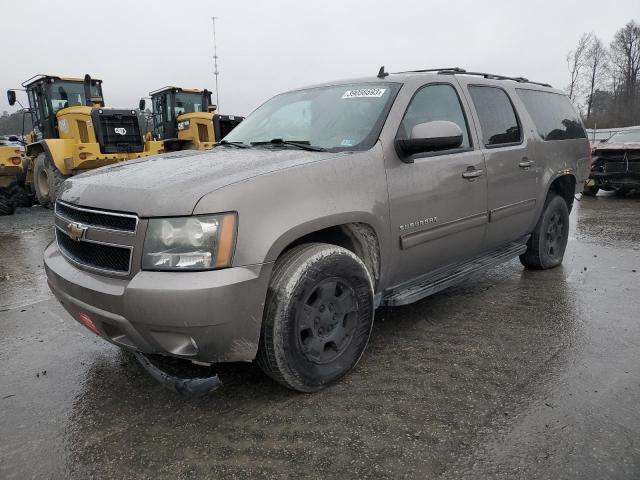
(87, 322)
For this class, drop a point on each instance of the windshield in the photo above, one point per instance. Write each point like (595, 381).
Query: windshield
(188, 103)
(625, 137)
(70, 94)
(343, 117)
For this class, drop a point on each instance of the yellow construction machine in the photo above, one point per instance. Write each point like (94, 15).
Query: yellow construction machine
(11, 169)
(185, 119)
(73, 132)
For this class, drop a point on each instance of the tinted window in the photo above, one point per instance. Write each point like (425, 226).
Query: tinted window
(498, 120)
(554, 116)
(431, 103)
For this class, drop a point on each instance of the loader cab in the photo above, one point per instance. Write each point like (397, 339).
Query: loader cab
(170, 103)
(49, 94)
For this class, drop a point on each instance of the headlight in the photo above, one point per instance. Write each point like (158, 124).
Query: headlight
(189, 243)
(184, 124)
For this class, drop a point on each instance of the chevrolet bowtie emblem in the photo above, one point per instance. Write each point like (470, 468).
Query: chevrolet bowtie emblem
(76, 231)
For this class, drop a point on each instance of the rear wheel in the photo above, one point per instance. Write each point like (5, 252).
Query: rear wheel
(47, 181)
(7, 205)
(546, 246)
(318, 317)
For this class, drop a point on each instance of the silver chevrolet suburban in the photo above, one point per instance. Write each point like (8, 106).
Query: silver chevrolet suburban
(324, 204)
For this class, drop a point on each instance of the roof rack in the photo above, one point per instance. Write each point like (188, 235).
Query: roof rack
(494, 76)
(447, 69)
(42, 76)
(462, 71)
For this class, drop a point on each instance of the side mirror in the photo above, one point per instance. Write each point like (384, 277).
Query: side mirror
(11, 96)
(429, 137)
(142, 104)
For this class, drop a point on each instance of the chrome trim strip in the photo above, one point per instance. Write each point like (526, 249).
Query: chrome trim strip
(90, 267)
(100, 212)
(96, 227)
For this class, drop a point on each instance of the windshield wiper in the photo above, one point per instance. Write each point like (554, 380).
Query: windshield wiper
(232, 144)
(302, 144)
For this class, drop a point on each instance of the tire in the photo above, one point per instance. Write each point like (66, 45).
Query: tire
(546, 246)
(622, 191)
(22, 197)
(590, 191)
(318, 317)
(7, 205)
(47, 181)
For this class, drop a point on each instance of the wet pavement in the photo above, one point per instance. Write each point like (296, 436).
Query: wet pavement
(512, 374)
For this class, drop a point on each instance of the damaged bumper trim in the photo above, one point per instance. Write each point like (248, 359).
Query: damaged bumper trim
(188, 387)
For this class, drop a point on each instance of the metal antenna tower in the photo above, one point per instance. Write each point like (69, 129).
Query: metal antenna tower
(215, 62)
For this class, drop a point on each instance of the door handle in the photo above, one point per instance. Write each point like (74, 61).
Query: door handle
(525, 163)
(472, 173)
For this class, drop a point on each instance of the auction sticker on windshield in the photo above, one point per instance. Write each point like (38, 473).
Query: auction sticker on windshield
(364, 92)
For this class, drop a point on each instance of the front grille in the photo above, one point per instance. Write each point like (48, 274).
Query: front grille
(95, 255)
(117, 131)
(203, 133)
(97, 218)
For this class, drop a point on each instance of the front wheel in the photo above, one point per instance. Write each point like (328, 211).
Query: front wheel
(546, 246)
(318, 317)
(47, 181)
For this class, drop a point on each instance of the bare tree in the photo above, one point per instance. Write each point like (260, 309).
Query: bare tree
(595, 64)
(576, 59)
(625, 57)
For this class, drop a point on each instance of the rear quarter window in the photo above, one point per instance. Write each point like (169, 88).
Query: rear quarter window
(498, 120)
(553, 114)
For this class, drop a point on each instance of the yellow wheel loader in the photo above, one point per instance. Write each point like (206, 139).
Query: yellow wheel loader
(185, 119)
(73, 132)
(11, 168)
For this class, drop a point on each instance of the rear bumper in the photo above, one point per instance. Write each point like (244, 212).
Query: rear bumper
(206, 316)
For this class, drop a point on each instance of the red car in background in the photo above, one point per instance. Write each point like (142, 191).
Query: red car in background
(616, 164)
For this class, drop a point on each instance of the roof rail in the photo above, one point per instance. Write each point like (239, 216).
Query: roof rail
(462, 71)
(447, 69)
(495, 76)
(35, 78)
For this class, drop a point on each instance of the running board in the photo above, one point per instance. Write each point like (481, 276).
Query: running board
(450, 275)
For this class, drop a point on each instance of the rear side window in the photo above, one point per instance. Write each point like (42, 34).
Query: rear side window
(498, 120)
(554, 116)
(432, 103)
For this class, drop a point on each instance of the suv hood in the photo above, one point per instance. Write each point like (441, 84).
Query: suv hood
(171, 184)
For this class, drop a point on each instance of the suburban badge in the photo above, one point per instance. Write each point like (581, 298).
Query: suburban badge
(418, 223)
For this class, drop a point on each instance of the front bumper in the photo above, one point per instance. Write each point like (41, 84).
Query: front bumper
(614, 180)
(210, 316)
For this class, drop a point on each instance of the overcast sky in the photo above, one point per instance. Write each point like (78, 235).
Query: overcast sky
(265, 47)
